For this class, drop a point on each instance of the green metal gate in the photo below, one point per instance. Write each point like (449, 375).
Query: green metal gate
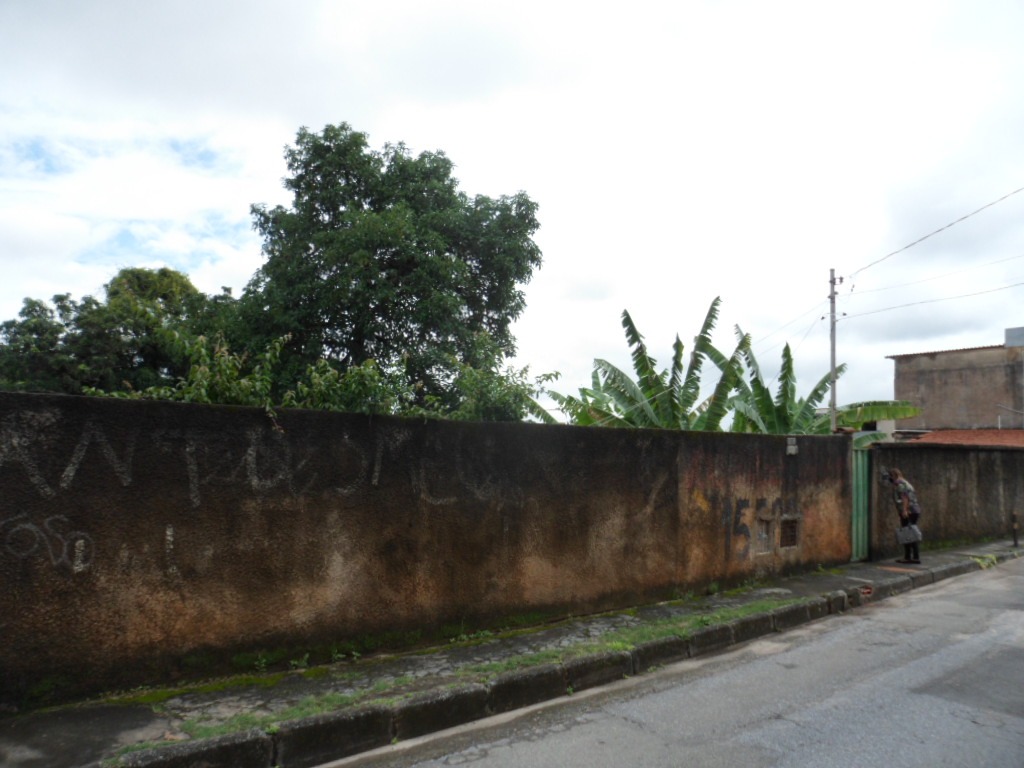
(861, 502)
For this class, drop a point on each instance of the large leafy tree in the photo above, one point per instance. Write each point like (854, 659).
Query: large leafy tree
(32, 352)
(381, 257)
(131, 340)
(666, 399)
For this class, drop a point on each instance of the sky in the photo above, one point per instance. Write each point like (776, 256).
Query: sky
(678, 152)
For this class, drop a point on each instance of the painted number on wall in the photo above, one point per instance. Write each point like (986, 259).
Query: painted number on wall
(766, 517)
(732, 521)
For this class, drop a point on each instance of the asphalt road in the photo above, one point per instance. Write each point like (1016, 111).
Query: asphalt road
(933, 677)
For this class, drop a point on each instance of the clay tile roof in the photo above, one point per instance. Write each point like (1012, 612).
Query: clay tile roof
(1013, 438)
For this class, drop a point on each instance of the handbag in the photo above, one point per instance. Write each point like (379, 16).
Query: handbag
(908, 534)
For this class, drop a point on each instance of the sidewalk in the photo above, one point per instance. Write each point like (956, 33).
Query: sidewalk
(305, 717)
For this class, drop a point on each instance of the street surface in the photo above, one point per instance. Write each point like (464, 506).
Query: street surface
(930, 678)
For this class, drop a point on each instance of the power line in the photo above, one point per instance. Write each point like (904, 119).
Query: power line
(816, 308)
(933, 301)
(936, 277)
(940, 229)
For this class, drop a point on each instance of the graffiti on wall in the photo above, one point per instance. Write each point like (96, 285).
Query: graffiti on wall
(437, 471)
(23, 539)
(261, 461)
(760, 527)
(22, 434)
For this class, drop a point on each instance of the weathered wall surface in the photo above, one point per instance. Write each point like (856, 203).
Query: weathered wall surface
(965, 492)
(140, 540)
(962, 389)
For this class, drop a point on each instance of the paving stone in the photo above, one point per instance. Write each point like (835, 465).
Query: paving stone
(790, 616)
(817, 608)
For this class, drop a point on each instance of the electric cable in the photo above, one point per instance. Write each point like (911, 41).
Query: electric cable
(931, 301)
(936, 277)
(940, 229)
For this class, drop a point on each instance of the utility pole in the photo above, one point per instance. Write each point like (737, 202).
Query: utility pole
(832, 323)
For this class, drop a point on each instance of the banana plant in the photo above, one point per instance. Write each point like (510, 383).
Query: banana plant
(756, 410)
(666, 399)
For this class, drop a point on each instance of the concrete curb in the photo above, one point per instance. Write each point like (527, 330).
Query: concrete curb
(752, 627)
(438, 710)
(598, 669)
(248, 748)
(523, 687)
(315, 740)
(657, 653)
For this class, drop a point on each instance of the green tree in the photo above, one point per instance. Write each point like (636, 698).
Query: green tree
(756, 410)
(130, 341)
(32, 352)
(487, 391)
(667, 399)
(216, 375)
(380, 257)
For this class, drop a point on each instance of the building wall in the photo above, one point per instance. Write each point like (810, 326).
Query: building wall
(963, 389)
(143, 541)
(966, 493)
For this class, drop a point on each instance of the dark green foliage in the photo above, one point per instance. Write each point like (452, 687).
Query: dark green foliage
(215, 374)
(32, 354)
(129, 342)
(385, 290)
(381, 257)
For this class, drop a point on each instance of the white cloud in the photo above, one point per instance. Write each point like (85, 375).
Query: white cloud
(678, 153)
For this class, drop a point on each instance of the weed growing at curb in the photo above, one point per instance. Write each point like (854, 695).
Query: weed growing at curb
(156, 696)
(624, 639)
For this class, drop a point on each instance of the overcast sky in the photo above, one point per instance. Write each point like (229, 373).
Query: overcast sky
(678, 152)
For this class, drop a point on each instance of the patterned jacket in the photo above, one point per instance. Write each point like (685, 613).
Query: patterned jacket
(901, 489)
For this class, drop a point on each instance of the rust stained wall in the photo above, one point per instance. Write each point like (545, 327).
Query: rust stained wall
(135, 536)
(737, 494)
(965, 492)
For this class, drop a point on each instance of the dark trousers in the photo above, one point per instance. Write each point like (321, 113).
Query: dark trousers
(911, 551)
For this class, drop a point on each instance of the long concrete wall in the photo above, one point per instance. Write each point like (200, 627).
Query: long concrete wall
(141, 541)
(966, 493)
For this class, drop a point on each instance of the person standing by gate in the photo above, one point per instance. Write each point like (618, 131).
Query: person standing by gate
(909, 510)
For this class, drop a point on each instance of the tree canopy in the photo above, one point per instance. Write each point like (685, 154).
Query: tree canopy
(385, 289)
(125, 342)
(381, 257)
